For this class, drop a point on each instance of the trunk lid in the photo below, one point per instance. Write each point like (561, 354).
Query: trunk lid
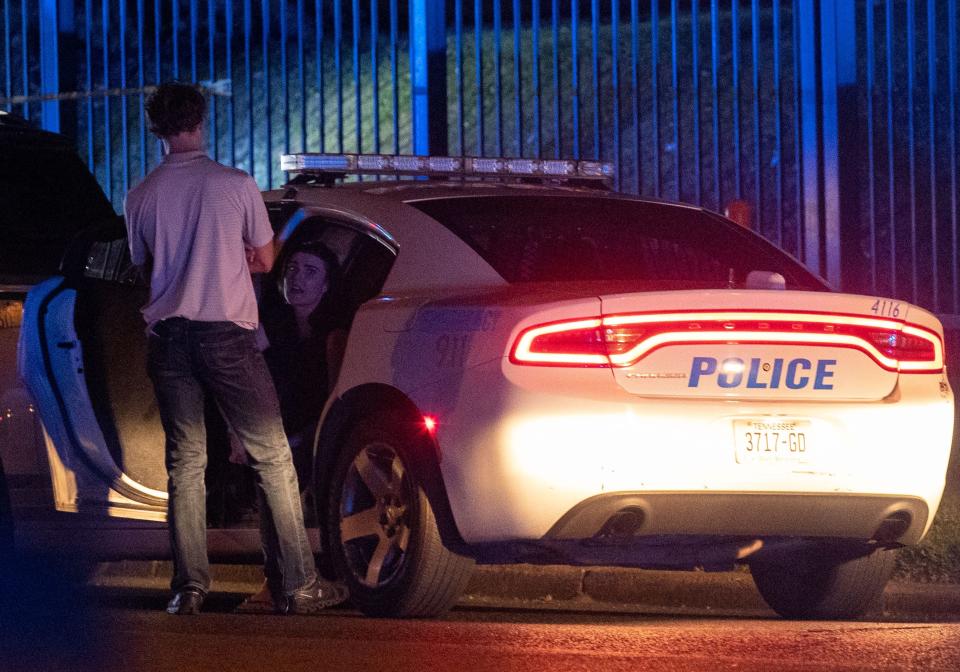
(754, 344)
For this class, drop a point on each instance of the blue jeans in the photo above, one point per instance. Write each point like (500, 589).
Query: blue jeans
(187, 359)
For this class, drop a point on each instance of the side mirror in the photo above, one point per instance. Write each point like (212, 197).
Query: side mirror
(765, 280)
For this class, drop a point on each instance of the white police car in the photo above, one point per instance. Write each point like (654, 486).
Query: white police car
(541, 371)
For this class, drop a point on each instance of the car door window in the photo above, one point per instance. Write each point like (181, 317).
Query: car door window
(110, 260)
(364, 259)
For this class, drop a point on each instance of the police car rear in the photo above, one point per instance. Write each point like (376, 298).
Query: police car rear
(599, 379)
(691, 396)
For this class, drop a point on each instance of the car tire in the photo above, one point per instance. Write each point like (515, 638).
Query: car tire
(830, 582)
(383, 535)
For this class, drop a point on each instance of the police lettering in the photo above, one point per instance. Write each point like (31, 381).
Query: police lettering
(794, 374)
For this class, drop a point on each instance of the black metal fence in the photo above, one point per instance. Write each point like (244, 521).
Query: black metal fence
(834, 120)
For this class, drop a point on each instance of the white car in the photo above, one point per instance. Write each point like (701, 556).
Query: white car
(539, 370)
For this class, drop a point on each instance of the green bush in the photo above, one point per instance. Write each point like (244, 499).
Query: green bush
(937, 557)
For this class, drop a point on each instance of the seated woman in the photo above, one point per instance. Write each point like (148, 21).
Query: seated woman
(303, 341)
(307, 335)
(305, 338)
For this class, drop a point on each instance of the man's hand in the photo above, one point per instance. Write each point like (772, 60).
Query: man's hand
(260, 259)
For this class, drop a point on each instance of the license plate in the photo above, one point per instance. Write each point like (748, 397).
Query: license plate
(772, 440)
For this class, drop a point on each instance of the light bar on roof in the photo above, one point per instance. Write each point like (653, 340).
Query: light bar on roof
(486, 166)
(443, 164)
(302, 163)
(372, 162)
(449, 166)
(602, 169)
(558, 167)
(523, 166)
(406, 164)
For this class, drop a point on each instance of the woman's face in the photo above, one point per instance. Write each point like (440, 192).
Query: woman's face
(304, 280)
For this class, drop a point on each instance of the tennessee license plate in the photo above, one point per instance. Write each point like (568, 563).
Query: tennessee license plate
(772, 440)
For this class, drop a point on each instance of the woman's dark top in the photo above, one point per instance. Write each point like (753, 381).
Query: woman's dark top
(299, 366)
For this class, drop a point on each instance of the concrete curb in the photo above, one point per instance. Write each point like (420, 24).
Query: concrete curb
(609, 589)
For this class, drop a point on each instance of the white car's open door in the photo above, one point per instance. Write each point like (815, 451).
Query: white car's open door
(81, 355)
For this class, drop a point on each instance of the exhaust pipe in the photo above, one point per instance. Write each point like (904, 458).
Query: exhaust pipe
(623, 524)
(893, 527)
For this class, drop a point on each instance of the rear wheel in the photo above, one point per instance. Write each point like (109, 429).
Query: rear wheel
(384, 539)
(824, 582)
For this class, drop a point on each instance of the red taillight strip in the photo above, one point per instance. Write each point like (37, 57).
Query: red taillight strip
(920, 367)
(772, 316)
(523, 353)
(847, 340)
(755, 337)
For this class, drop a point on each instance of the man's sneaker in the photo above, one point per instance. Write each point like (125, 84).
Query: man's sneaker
(318, 595)
(186, 602)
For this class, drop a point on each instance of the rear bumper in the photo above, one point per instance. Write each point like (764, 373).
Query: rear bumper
(625, 514)
(524, 463)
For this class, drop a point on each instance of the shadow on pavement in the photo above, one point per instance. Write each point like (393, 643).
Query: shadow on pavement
(140, 599)
(45, 619)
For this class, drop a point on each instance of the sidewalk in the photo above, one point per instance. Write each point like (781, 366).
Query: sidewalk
(602, 589)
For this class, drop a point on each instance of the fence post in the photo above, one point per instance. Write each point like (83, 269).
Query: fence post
(49, 64)
(828, 131)
(428, 76)
(845, 227)
(58, 49)
(841, 142)
(809, 139)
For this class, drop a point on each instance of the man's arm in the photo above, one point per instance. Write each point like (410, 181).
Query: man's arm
(260, 259)
(140, 255)
(256, 229)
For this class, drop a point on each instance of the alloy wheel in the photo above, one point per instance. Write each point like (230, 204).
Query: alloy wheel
(375, 513)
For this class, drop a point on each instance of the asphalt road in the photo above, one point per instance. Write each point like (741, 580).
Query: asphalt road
(125, 629)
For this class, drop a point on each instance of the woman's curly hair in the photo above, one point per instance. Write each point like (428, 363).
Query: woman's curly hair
(175, 108)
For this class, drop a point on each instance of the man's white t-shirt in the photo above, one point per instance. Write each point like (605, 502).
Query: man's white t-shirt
(191, 217)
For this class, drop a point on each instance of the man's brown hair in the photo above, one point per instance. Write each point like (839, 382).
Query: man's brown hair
(174, 108)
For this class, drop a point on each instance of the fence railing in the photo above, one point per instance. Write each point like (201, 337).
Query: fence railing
(835, 121)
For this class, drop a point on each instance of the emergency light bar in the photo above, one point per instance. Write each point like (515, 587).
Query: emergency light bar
(449, 166)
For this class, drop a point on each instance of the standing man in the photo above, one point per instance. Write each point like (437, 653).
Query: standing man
(198, 230)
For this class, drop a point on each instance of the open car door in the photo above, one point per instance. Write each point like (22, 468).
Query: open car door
(82, 354)
(47, 196)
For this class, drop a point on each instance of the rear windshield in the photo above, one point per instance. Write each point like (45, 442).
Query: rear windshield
(582, 238)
